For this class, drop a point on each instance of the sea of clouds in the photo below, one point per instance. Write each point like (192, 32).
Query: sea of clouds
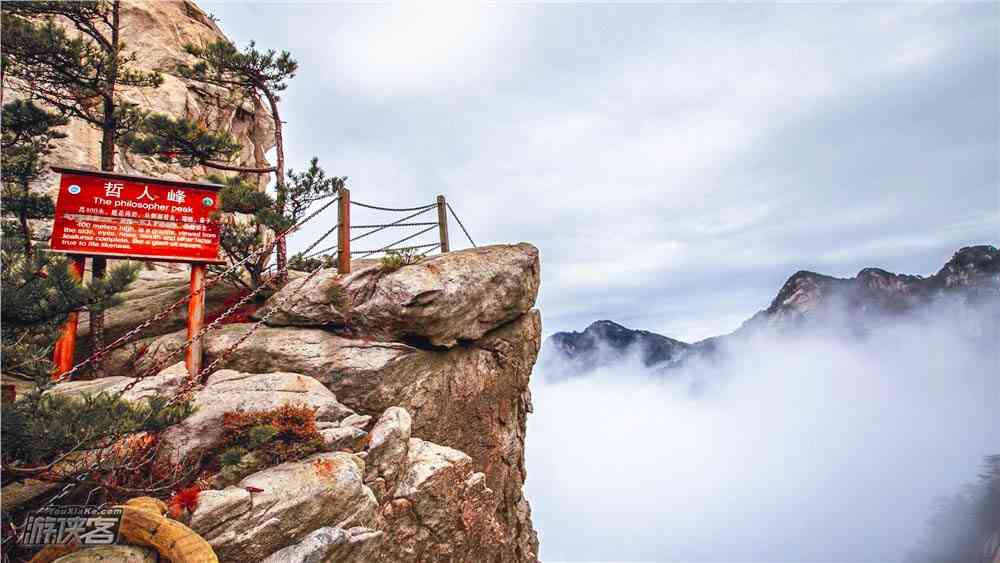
(819, 445)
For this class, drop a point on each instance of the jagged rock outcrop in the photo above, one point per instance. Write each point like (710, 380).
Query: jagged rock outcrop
(354, 545)
(106, 553)
(388, 446)
(228, 391)
(472, 397)
(441, 399)
(429, 301)
(283, 505)
(157, 32)
(441, 510)
(153, 291)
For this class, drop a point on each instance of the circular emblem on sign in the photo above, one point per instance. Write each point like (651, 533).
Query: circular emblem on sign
(74, 189)
(207, 202)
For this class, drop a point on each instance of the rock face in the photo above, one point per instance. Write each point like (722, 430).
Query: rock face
(450, 297)
(441, 510)
(425, 420)
(331, 544)
(432, 407)
(156, 32)
(153, 291)
(293, 500)
(228, 390)
(471, 397)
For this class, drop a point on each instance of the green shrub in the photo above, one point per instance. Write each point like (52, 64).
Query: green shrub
(259, 435)
(336, 296)
(232, 456)
(396, 259)
(39, 427)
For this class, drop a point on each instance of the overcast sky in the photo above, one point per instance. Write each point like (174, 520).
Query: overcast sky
(673, 163)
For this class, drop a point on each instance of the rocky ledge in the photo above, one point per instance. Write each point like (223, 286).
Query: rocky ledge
(419, 380)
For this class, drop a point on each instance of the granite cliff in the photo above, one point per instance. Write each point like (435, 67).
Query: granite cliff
(419, 380)
(156, 33)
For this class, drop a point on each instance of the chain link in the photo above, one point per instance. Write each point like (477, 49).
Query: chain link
(390, 246)
(455, 215)
(401, 209)
(270, 311)
(96, 356)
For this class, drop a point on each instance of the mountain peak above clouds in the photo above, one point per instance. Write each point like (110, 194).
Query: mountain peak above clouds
(972, 275)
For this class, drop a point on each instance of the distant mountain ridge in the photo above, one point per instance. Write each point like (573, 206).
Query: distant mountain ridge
(971, 275)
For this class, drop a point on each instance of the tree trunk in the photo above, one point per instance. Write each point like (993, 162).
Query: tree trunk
(25, 226)
(279, 184)
(108, 131)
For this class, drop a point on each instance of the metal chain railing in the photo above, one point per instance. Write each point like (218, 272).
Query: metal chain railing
(392, 246)
(455, 215)
(162, 314)
(191, 383)
(307, 253)
(402, 209)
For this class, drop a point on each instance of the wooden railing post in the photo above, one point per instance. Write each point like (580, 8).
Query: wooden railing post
(195, 318)
(443, 223)
(62, 354)
(344, 232)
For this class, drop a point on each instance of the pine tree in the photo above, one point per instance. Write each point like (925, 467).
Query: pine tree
(81, 76)
(176, 142)
(28, 132)
(250, 74)
(241, 238)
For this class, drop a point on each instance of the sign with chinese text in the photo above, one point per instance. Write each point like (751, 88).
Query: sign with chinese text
(105, 214)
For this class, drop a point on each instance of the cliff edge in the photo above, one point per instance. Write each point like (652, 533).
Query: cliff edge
(419, 380)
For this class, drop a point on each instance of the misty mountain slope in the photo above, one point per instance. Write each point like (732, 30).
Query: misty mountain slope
(806, 301)
(971, 275)
(825, 429)
(607, 342)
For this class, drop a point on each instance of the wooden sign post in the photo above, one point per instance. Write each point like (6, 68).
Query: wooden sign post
(135, 217)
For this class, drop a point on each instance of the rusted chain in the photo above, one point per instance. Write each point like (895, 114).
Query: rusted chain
(270, 311)
(382, 227)
(397, 248)
(393, 225)
(389, 246)
(401, 209)
(208, 284)
(455, 215)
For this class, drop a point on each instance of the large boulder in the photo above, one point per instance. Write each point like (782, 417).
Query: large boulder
(313, 352)
(441, 511)
(441, 300)
(165, 383)
(153, 291)
(388, 446)
(228, 390)
(278, 507)
(473, 398)
(333, 545)
(111, 553)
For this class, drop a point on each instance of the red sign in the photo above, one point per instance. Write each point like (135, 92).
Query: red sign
(105, 214)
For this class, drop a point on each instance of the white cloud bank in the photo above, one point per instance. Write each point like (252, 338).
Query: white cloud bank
(800, 448)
